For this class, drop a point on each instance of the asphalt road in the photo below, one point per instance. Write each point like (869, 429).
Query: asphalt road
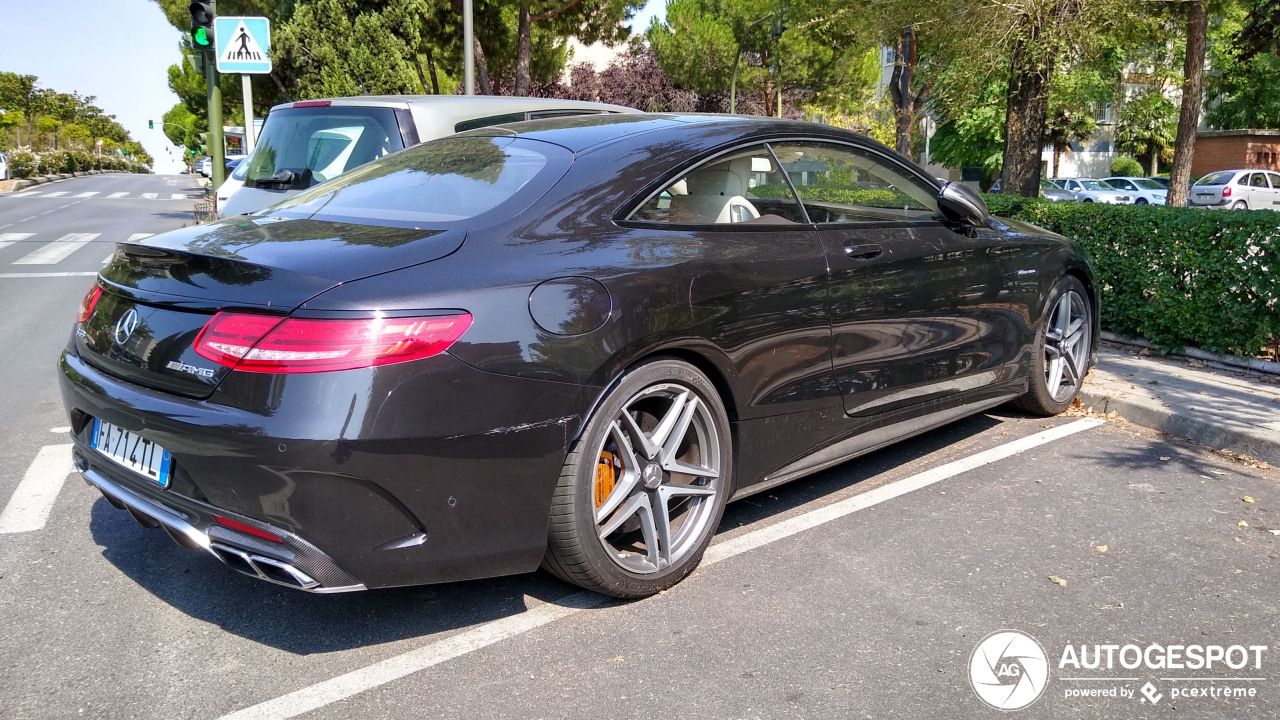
(861, 592)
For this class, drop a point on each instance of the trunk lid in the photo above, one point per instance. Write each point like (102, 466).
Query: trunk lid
(160, 293)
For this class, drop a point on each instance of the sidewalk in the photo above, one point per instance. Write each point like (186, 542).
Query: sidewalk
(1236, 410)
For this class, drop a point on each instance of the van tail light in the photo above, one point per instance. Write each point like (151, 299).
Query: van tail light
(1226, 191)
(311, 103)
(270, 344)
(88, 303)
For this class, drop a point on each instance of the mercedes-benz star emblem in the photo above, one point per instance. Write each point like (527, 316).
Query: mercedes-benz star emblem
(126, 325)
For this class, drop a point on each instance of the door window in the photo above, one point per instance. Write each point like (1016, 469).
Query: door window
(746, 187)
(840, 184)
(1258, 180)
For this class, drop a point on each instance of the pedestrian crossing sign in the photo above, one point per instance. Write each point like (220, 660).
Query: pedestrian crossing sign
(242, 45)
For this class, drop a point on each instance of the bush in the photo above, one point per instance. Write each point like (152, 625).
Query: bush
(77, 161)
(1126, 166)
(1177, 276)
(839, 195)
(51, 162)
(23, 164)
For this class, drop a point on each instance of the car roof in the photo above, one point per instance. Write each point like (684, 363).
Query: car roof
(462, 106)
(586, 133)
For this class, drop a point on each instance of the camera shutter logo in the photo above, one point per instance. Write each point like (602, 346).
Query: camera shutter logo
(126, 325)
(1009, 670)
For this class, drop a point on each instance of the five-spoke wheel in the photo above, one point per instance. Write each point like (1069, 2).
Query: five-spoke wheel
(643, 491)
(1063, 347)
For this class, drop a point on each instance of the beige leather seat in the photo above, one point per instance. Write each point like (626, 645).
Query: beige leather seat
(713, 196)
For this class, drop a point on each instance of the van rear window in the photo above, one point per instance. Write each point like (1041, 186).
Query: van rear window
(301, 147)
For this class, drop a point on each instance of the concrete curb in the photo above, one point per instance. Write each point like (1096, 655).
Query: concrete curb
(1152, 413)
(24, 183)
(1230, 362)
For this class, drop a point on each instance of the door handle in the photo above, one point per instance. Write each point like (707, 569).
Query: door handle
(863, 252)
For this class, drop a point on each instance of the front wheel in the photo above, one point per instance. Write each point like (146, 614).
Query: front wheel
(1140, 201)
(642, 492)
(1062, 349)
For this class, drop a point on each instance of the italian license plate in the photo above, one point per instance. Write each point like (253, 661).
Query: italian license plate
(131, 450)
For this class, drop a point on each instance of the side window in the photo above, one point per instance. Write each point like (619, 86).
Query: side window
(1275, 179)
(840, 184)
(1123, 184)
(1258, 180)
(745, 187)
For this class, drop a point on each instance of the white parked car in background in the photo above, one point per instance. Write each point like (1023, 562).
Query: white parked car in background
(1237, 190)
(1144, 190)
(1095, 190)
(229, 186)
(4, 166)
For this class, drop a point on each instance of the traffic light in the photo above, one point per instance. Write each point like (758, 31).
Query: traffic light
(151, 124)
(202, 14)
(204, 141)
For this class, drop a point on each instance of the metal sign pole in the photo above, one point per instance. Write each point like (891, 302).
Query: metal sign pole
(468, 48)
(249, 139)
(213, 94)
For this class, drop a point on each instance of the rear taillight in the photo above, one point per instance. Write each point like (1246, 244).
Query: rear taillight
(86, 305)
(1226, 191)
(263, 343)
(312, 103)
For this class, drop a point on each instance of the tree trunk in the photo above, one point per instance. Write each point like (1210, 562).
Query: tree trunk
(1189, 117)
(422, 77)
(1155, 164)
(1057, 158)
(900, 91)
(482, 71)
(280, 85)
(431, 68)
(1028, 102)
(524, 50)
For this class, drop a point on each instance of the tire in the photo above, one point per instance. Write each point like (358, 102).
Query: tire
(632, 516)
(1140, 201)
(1061, 350)
(1088, 200)
(1239, 205)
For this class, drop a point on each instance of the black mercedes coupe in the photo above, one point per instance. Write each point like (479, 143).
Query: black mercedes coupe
(564, 343)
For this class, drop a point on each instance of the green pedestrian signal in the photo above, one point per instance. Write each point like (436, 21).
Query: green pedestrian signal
(151, 124)
(202, 14)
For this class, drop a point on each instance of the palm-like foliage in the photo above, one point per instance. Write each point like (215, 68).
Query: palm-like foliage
(1148, 127)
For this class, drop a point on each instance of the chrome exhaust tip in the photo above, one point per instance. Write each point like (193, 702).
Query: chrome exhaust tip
(263, 568)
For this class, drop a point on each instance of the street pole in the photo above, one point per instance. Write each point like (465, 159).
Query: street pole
(468, 48)
(249, 140)
(213, 95)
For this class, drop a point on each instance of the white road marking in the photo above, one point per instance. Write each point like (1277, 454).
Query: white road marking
(6, 276)
(58, 250)
(7, 239)
(139, 236)
(60, 193)
(89, 194)
(29, 193)
(32, 502)
(178, 196)
(60, 430)
(116, 195)
(25, 219)
(150, 196)
(357, 681)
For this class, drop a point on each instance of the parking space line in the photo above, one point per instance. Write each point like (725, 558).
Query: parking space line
(32, 502)
(355, 682)
(7, 276)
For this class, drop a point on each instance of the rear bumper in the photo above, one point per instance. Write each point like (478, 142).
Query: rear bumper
(402, 475)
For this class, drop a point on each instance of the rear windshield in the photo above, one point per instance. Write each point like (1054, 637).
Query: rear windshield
(301, 147)
(441, 182)
(1217, 178)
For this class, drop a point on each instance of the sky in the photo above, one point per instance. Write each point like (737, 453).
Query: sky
(123, 64)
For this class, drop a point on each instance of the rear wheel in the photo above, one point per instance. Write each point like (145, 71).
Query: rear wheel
(1239, 205)
(642, 492)
(1062, 349)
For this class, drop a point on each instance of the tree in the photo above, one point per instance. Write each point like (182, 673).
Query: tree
(589, 21)
(1245, 86)
(1148, 127)
(1189, 114)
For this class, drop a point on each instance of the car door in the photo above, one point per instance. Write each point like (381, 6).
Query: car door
(1259, 191)
(754, 277)
(1274, 178)
(916, 302)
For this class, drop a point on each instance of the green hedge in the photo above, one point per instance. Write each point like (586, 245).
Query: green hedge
(1177, 276)
(839, 195)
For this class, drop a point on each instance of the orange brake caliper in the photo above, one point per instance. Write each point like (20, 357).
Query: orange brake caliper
(606, 476)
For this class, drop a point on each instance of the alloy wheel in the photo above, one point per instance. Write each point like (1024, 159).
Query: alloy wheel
(1066, 346)
(657, 478)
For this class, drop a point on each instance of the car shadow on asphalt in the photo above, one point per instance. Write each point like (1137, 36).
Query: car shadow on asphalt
(198, 585)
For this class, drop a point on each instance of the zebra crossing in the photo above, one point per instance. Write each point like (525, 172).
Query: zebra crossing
(111, 196)
(52, 249)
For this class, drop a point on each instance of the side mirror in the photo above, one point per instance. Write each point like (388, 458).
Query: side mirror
(960, 203)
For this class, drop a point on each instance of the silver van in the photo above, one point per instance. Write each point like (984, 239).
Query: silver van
(308, 142)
